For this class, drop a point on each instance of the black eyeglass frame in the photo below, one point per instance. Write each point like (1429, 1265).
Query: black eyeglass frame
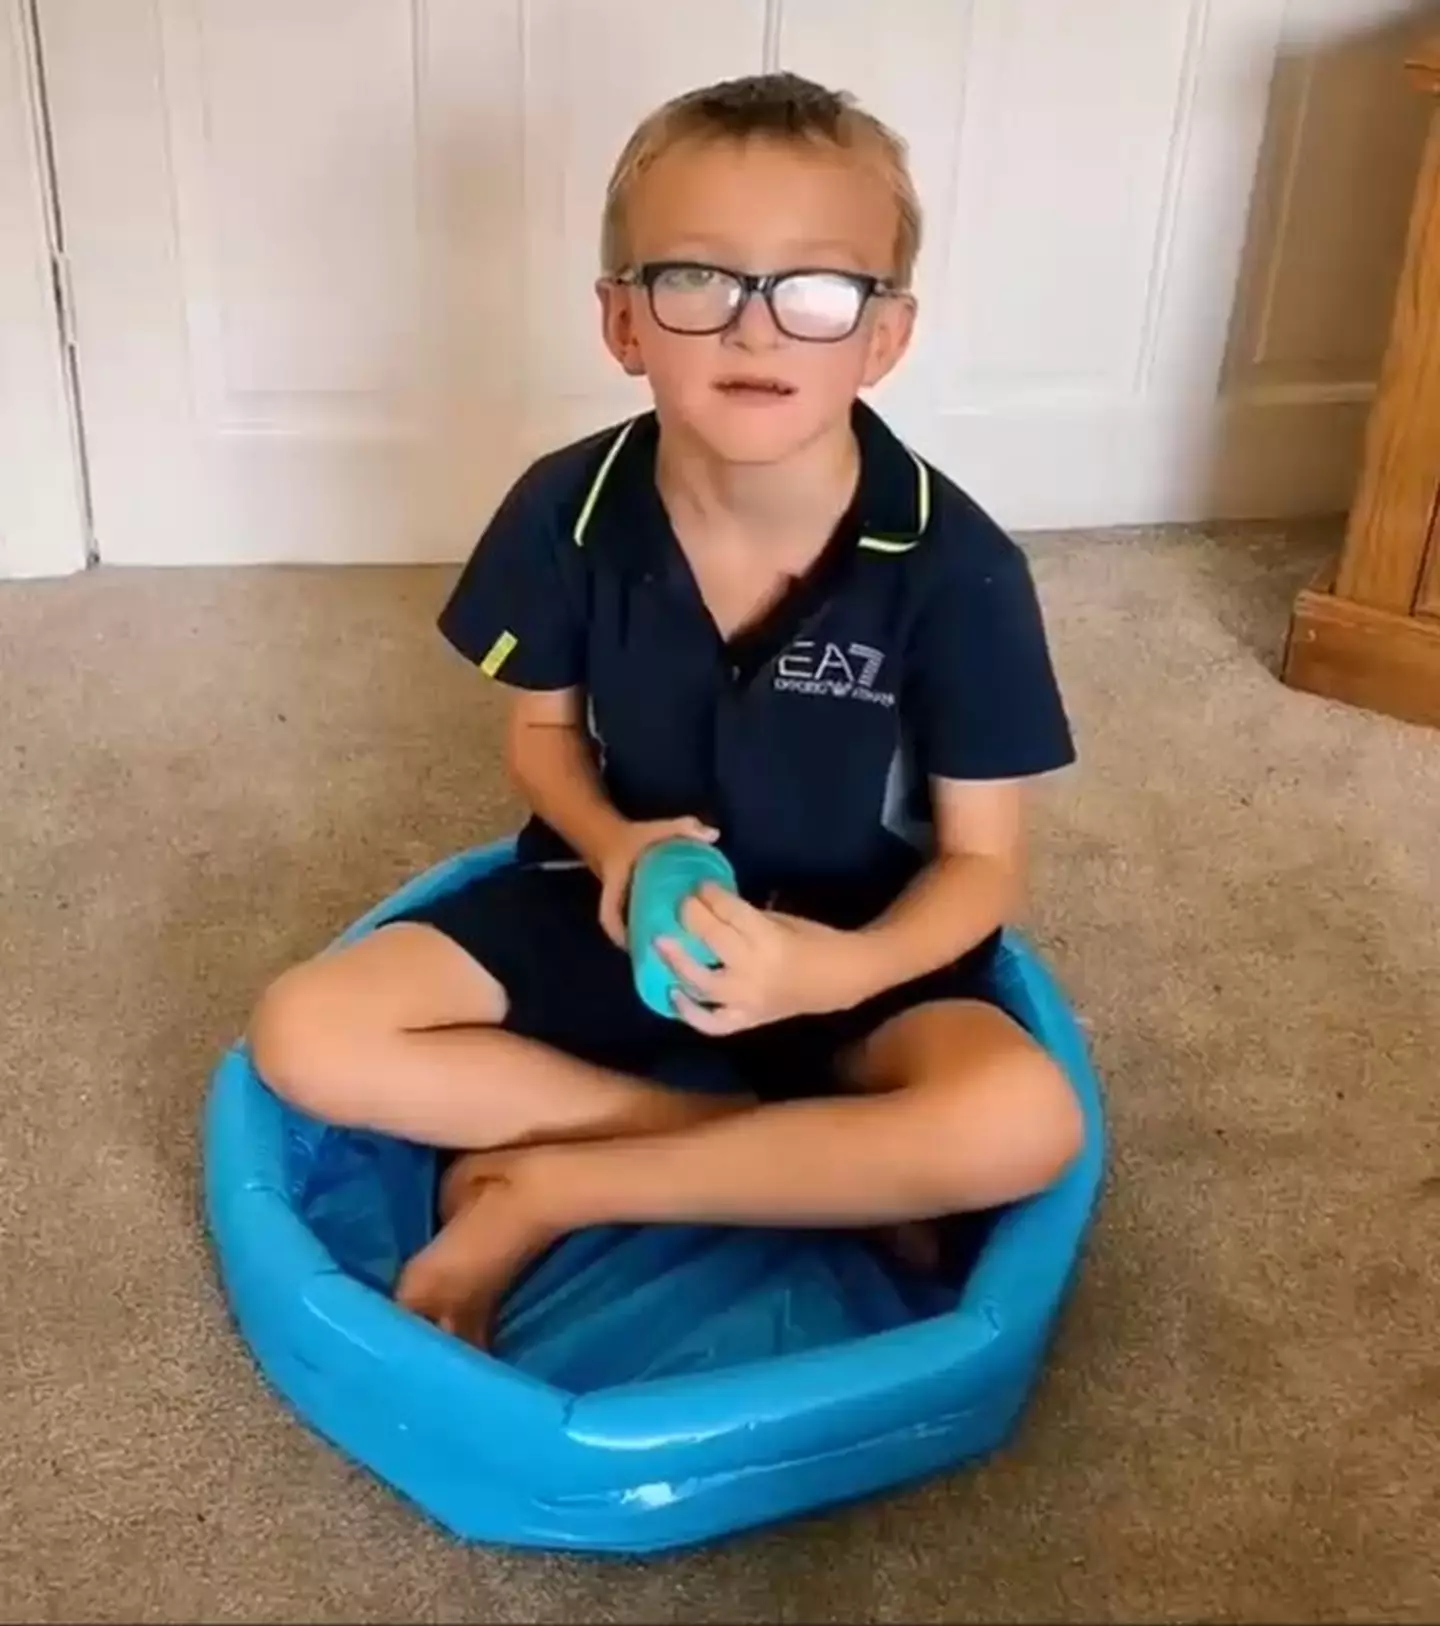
(764, 283)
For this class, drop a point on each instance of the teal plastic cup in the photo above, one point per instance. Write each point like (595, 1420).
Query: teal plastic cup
(667, 874)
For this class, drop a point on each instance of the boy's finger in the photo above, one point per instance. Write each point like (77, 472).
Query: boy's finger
(729, 907)
(697, 917)
(698, 829)
(717, 1023)
(707, 981)
(611, 922)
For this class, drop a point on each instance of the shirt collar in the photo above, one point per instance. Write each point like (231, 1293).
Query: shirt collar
(892, 503)
(622, 514)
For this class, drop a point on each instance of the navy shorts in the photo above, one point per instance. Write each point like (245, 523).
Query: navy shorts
(536, 930)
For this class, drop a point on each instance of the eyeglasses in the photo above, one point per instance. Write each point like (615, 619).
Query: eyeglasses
(820, 307)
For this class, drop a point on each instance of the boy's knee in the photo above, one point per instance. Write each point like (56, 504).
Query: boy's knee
(1032, 1119)
(1064, 1114)
(1055, 1121)
(296, 1038)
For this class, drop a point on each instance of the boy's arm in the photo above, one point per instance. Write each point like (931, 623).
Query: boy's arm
(517, 613)
(775, 965)
(983, 698)
(974, 884)
(551, 762)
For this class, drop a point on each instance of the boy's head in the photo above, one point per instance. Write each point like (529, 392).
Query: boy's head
(759, 176)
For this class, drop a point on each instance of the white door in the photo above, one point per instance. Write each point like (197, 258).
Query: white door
(42, 526)
(332, 259)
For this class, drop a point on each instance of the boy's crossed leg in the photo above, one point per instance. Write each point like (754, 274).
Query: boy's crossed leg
(397, 1033)
(955, 1108)
(958, 1110)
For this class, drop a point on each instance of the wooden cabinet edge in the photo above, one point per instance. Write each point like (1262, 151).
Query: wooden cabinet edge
(1382, 657)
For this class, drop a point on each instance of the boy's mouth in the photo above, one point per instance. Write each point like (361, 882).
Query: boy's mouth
(746, 387)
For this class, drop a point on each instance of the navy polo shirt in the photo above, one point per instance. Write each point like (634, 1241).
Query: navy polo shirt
(914, 647)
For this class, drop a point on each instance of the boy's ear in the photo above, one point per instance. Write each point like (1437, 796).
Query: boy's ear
(617, 326)
(890, 332)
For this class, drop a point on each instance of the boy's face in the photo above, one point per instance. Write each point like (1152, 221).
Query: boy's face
(753, 394)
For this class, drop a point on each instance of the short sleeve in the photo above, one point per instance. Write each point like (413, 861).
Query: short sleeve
(981, 695)
(516, 609)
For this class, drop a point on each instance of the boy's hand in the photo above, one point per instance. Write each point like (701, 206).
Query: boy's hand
(616, 864)
(772, 966)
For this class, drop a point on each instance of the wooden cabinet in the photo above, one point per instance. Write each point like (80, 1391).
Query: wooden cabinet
(1369, 631)
(1428, 602)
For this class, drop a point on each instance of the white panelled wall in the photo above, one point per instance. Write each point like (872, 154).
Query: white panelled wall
(332, 259)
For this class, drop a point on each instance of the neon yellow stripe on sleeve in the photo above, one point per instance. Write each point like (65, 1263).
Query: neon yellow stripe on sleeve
(500, 652)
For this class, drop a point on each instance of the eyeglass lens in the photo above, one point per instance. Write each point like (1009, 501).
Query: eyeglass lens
(806, 304)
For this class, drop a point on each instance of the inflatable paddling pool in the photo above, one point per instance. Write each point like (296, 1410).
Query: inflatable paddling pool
(652, 1387)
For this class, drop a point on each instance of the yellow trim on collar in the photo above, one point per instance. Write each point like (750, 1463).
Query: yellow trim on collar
(873, 544)
(593, 495)
(890, 544)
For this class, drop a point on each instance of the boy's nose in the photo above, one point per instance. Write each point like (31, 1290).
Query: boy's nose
(754, 328)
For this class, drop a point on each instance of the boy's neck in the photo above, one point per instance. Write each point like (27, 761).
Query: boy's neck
(777, 508)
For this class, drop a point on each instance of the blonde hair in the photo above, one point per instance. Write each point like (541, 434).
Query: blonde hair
(778, 106)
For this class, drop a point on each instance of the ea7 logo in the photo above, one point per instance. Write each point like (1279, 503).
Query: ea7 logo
(841, 672)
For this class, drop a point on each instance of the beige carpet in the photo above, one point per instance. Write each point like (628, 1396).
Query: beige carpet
(205, 774)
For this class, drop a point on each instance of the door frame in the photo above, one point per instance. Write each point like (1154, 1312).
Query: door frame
(44, 525)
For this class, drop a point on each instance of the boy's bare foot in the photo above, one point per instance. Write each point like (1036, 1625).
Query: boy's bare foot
(489, 1233)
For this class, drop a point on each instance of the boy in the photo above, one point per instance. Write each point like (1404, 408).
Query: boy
(754, 616)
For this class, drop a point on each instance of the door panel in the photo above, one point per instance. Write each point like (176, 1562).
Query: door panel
(296, 187)
(1087, 172)
(295, 229)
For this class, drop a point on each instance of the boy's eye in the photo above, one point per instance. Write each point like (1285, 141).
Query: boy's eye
(690, 279)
